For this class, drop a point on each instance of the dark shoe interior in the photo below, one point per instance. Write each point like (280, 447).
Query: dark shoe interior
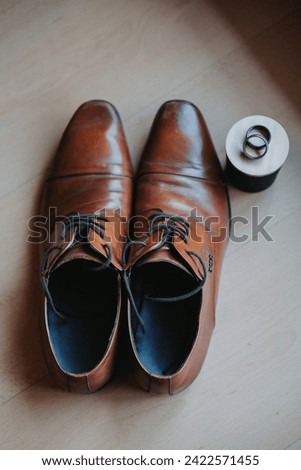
(87, 299)
(169, 327)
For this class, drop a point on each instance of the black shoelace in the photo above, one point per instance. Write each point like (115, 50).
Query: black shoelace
(170, 226)
(82, 223)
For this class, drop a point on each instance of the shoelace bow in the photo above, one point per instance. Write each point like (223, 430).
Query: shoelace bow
(170, 226)
(82, 223)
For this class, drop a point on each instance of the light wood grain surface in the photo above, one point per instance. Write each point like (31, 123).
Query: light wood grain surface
(232, 59)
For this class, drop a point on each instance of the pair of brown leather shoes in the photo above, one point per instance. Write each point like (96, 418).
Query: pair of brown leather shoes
(161, 261)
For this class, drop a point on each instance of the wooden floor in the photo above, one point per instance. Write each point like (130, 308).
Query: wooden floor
(232, 59)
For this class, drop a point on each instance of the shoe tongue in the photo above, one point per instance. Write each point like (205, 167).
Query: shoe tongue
(163, 254)
(82, 251)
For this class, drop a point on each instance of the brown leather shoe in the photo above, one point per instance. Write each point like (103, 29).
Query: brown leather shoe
(174, 258)
(90, 192)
